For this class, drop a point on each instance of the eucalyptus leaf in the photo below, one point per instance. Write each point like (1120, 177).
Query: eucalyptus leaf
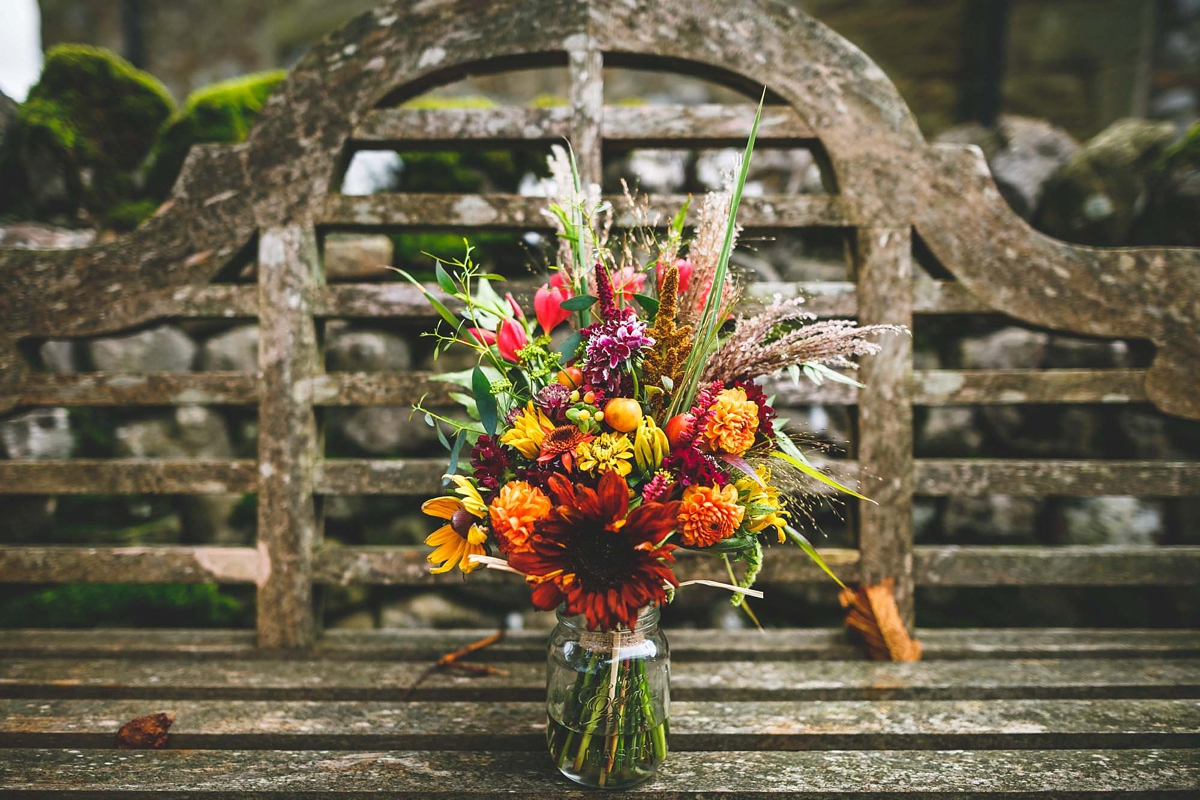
(569, 347)
(580, 303)
(455, 451)
(485, 401)
(648, 304)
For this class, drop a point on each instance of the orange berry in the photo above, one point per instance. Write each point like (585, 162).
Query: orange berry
(571, 377)
(623, 414)
(589, 398)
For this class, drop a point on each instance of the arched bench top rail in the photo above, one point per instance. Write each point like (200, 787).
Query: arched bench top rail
(887, 176)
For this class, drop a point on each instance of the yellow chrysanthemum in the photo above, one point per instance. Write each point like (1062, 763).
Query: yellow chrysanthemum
(731, 426)
(764, 506)
(462, 536)
(528, 431)
(608, 451)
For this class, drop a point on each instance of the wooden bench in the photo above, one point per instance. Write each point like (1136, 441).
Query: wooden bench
(288, 711)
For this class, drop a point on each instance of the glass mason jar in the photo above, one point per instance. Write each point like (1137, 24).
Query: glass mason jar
(607, 698)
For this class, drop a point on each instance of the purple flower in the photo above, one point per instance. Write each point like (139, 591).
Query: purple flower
(554, 398)
(611, 345)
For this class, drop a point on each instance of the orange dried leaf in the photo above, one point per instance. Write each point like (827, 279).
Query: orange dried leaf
(145, 733)
(875, 620)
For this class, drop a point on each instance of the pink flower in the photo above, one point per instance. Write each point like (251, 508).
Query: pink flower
(547, 304)
(685, 273)
(483, 336)
(511, 340)
(512, 301)
(558, 280)
(628, 281)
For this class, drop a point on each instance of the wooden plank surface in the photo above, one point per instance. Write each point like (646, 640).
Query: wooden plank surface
(1077, 565)
(128, 476)
(701, 125)
(778, 644)
(731, 680)
(520, 212)
(756, 725)
(863, 775)
(141, 564)
(975, 477)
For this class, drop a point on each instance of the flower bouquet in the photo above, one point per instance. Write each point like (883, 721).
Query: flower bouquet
(622, 423)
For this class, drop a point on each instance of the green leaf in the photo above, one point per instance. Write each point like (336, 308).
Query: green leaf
(580, 303)
(455, 451)
(648, 304)
(444, 281)
(677, 223)
(467, 402)
(438, 305)
(731, 544)
(816, 474)
(442, 437)
(568, 348)
(485, 401)
(812, 553)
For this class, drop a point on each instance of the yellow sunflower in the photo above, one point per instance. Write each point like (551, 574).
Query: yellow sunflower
(528, 431)
(608, 451)
(462, 536)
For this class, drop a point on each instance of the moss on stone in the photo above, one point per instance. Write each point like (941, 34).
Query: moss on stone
(430, 102)
(127, 215)
(220, 113)
(86, 125)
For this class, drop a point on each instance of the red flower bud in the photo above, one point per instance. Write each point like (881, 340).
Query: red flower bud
(512, 301)
(547, 304)
(511, 340)
(483, 336)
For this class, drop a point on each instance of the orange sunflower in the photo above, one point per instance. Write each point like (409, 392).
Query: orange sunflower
(462, 536)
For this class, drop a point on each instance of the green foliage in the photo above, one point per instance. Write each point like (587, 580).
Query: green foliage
(91, 119)
(126, 605)
(127, 215)
(221, 113)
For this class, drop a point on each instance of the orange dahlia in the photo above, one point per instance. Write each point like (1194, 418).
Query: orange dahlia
(514, 510)
(596, 556)
(709, 514)
(731, 424)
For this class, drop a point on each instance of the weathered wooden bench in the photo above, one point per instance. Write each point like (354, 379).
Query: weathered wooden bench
(288, 711)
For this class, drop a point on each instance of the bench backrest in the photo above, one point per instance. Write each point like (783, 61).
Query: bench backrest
(276, 195)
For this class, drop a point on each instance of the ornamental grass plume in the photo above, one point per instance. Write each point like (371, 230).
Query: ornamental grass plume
(705, 257)
(756, 347)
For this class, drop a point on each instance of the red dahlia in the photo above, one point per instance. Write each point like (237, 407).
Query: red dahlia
(598, 557)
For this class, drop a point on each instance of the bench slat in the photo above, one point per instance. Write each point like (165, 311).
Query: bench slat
(521, 212)
(864, 774)
(782, 644)
(707, 124)
(850, 725)
(725, 680)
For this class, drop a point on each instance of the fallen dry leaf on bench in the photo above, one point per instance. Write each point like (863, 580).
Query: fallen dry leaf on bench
(453, 661)
(145, 733)
(875, 621)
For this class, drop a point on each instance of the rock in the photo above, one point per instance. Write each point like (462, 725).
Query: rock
(1111, 520)
(651, 171)
(354, 621)
(1022, 154)
(1007, 348)
(355, 257)
(1061, 432)
(38, 236)
(58, 356)
(222, 112)
(349, 350)
(429, 610)
(235, 350)
(1173, 215)
(383, 430)
(84, 129)
(43, 433)
(995, 518)
(8, 117)
(188, 432)
(1098, 195)
(950, 431)
(372, 171)
(162, 349)
(771, 171)
(1068, 352)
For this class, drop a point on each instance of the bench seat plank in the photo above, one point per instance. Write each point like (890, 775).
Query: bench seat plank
(769, 725)
(783, 644)
(728, 681)
(303, 775)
